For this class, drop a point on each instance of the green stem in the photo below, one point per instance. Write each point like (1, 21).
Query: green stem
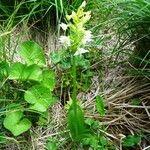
(74, 94)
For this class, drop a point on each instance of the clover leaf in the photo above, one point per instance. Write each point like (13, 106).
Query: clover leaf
(32, 53)
(15, 121)
(20, 71)
(40, 98)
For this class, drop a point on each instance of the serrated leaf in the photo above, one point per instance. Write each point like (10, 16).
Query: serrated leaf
(76, 123)
(131, 140)
(20, 71)
(100, 105)
(32, 53)
(39, 97)
(48, 79)
(15, 121)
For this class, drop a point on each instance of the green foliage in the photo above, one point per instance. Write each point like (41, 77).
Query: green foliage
(39, 97)
(4, 69)
(51, 144)
(63, 59)
(136, 101)
(48, 79)
(15, 120)
(100, 105)
(131, 140)
(76, 123)
(32, 53)
(19, 71)
(96, 139)
(31, 83)
(96, 142)
(2, 139)
(38, 94)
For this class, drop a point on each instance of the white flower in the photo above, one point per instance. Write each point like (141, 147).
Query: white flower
(87, 16)
(73, 15)
(83, 4)
(64, 26)
(80, 51)
(87, 37)
(65, 40)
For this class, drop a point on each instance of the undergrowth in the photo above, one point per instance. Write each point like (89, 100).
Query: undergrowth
(88, 91)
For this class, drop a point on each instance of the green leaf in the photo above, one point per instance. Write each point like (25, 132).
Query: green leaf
(4, 69)
(131, 140)
(100, 105)
(3, 139)
(136, 101)
(82, 62)
(15, 121)
(91, 141)
(20, 71)
(43, 119)
(58, 56)
(39, 97)
(32, 53)
(48, 79)
(51, 144)
(92, 123)
(76, 123)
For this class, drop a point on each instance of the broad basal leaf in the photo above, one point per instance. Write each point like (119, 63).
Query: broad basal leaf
(48, 79)
(20, 71)
(15, 121)
(76, 123)
(32, 53)
(100, 105)
(40, 98)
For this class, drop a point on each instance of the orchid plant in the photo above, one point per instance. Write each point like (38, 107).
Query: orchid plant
(78, 36)
(75, 42)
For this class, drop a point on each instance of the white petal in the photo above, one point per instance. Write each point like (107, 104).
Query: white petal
(64, 26)
(65, 40)
(83, 4)
(80, 51)
(87, 37)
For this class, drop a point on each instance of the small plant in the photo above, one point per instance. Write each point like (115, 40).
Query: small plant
(39, 81)
(131, 140)
(75, 44)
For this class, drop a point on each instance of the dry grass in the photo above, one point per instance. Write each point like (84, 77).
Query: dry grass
(122, 117)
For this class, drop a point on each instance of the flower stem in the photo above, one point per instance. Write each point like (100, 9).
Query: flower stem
(74, 94)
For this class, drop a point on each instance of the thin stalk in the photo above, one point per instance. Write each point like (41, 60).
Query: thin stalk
(3, 40)
(74, 94)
